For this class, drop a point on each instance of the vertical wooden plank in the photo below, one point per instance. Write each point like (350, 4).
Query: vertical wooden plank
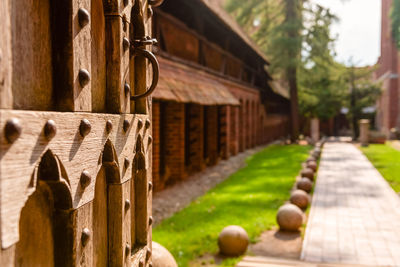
(5, 56)
(82, 57)
(119, 214)
(32, 80)
(98, 56)
(117, 73)
(83, 247)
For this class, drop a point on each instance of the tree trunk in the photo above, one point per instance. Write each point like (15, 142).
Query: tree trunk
(293, 34)
(294, 104)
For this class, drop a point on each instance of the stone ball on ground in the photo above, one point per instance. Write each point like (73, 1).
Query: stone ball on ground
(161, 257)
(312, 165)
(307, 172)
(300, 198)
(305, 184)
(289, 217)
(311, 158)
(233, 241)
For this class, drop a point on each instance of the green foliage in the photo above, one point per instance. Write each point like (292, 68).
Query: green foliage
(387, 160)
(395, 16)
(278, 29)
(363, 92)
(249, 198)
(321, 85)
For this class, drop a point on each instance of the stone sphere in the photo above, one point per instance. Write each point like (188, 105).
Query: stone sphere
(289, 217)
(305, 184)
(161, 257)
(300, 198)
(233, 241)
(312, 165)
(311, 158)
(307, 172)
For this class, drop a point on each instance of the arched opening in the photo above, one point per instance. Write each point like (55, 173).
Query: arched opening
(108, 173)
(139, 222)
(45, 237)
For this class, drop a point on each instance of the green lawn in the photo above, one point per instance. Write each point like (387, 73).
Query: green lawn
(387, 160)
(249, 198)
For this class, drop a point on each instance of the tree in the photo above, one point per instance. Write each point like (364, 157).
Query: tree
(278, 33)
(321, 83)
(363, 93)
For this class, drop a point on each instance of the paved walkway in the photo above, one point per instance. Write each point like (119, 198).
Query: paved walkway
(355, 215)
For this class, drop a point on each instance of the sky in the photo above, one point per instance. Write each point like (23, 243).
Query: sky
(358, 29)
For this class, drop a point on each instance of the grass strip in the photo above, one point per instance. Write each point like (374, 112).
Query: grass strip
(249, 198)
(387, 160)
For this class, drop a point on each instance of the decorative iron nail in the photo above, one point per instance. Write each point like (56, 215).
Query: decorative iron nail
(127, 88)
(150, 220)
(50, 129)
(125, 43)
(149, 12)
(12, 130)
(150, 139)
(85, 236)
(150, 186)
(126, 163)
(140, 123)
(85, 179)
(127, 249)
(85, 127)
(109, 126)
(84, 77)
(147, 123)
(83, 17)
(148, 254)
(127, 204)
(126, 125)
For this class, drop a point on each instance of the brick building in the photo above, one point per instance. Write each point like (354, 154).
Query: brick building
(388, 74)
(214, 97)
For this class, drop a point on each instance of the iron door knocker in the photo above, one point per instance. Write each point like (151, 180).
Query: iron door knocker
(139, 48)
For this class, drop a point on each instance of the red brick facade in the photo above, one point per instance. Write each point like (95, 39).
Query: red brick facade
(388, 74)
(194, 124)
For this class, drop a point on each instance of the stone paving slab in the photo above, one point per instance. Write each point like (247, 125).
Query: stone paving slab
(355, 214)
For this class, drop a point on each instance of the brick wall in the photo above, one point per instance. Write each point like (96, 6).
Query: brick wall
(157, 185)
(234, 130)
(224, 130)
(195, 144)
(174, 135)
(388, 73)
(211, 135)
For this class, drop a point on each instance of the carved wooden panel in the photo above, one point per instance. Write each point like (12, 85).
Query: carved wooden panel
(75, 187)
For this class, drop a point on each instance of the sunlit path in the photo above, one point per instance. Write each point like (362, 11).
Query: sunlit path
(355, 216)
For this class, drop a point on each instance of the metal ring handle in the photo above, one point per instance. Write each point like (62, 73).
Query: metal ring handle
(155, 3)
(156, 69)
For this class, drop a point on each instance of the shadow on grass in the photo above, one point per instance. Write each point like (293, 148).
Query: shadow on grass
(249, 198)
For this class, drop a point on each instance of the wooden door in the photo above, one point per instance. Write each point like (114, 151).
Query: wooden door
(75, 132)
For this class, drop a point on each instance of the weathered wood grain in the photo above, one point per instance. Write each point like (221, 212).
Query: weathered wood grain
(31, 55)
(98, 56)
(75, 154)
(82, 58)
(5, 56)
